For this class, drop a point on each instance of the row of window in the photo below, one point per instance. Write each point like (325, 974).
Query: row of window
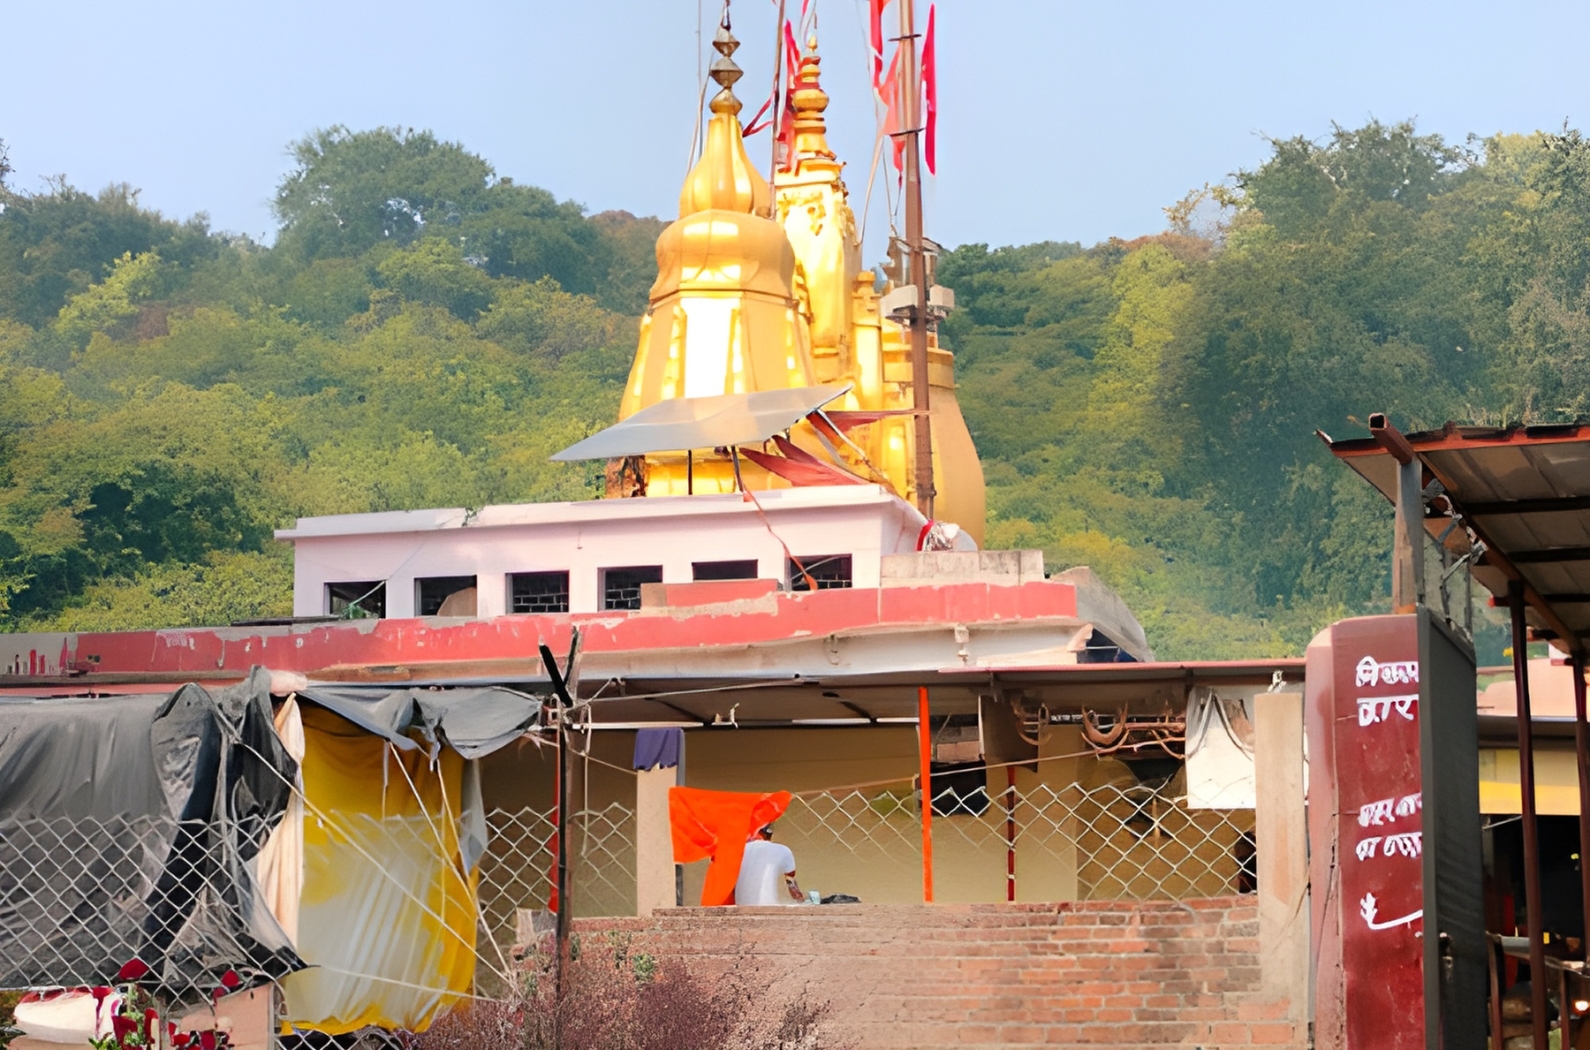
(548, 592)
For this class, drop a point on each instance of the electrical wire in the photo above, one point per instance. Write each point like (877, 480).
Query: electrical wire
(701, 95)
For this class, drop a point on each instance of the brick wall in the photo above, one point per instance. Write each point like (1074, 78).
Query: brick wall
(1085, 975)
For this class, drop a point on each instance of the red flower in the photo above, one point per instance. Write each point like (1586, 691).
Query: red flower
(123, 1026)
(231, 980)
(100, 994)
(207, 1039)
(133, 970)
(152, 1025)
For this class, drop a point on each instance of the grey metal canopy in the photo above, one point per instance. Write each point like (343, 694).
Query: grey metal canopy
(704, 422)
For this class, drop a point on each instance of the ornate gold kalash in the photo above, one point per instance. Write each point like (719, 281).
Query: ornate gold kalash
(761, 289)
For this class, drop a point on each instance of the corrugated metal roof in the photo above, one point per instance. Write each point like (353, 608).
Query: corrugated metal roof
(1524, 491)
(684, 423)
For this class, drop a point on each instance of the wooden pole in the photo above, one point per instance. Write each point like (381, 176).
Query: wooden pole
(910, 89)
(1581, 744)
(1407, 551)
(924, 736)
(1526, 787)
(565, 912)
(1010, 834)
(562, 681)
(1407, 556)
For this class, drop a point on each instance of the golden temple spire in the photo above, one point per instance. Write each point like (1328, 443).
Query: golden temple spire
(809, 100)
(724, 179)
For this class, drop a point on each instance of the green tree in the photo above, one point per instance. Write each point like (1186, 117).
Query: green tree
(435, 272)
(353, 190)
(58, 243)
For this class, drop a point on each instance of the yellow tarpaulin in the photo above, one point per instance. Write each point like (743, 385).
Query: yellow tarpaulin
(387, 918)
(1556, 783)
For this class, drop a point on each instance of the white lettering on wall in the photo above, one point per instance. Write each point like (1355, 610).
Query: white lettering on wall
(1386, 810)
(1368, 908)
(1372, 709)
(1400, 672)
(1404, 844)
(1408, 844)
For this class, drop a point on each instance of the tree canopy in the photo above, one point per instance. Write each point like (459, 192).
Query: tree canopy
(425, 332)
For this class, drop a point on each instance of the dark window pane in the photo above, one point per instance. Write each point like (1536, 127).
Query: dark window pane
(724, 570)
(538, 592)
(430, 593)
(357, 600)
(959, 789)
(621, 587)
(828, 571)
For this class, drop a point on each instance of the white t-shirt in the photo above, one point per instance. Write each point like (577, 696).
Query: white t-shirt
(762, 872)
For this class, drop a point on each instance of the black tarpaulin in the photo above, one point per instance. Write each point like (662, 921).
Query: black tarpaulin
(128, 827)
(473, 722)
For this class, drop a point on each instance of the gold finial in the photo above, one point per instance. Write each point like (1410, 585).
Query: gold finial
(724, 72)
(724, 178)
(809, 101)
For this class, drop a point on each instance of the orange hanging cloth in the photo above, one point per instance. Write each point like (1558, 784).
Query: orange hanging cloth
(717, 824)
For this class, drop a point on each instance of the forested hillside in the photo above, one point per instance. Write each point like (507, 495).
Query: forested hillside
(426, 333)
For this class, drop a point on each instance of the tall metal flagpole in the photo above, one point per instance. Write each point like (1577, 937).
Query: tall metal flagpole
(910, 87)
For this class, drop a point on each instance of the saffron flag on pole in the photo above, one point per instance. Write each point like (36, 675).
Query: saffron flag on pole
(930, 86)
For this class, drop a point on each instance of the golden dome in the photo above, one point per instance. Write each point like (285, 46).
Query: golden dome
(723, 179)
(744, 303)
(724, 316)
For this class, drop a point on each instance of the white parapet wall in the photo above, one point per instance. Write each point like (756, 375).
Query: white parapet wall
(674, 533)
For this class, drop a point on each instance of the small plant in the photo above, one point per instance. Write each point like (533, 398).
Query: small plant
(617, 998)
(137, 1020)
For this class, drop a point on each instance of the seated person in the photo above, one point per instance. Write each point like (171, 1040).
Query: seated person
(764, 864)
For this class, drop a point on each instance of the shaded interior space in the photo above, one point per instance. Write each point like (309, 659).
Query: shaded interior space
(444, 596)
(538, 592)
(1561, 922)
(621, 586)
(744, 569)
(357, 600)
(820, 572)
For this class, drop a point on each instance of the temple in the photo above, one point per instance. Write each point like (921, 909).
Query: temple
(761, 288)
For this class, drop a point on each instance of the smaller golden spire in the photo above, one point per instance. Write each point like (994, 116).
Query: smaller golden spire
(724, 178)
(809, 100)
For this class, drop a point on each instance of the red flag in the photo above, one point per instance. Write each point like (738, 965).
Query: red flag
(752, 127)
(930, 85)
(786, 127)
(891, 118)
(875, 13)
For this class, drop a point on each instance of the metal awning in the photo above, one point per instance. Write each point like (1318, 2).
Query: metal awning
(724, 420)
(1513, 503)
(1524, 492)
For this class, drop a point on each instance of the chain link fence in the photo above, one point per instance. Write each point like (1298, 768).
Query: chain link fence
(82, 897)
(1109, 842)
(519, 870)
(87, 891)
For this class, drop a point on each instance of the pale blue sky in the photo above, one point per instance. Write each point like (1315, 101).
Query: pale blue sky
(1060, 120)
